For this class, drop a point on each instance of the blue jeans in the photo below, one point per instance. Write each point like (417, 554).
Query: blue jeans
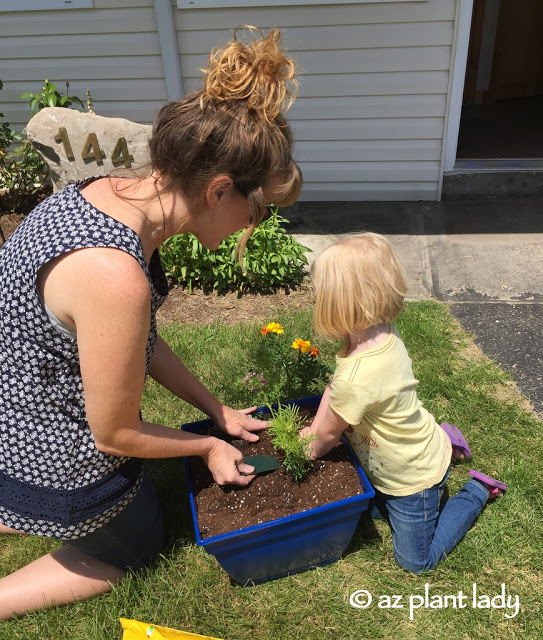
(421, 534)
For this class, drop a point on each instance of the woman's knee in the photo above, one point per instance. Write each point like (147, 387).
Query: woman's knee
(133, 538)
(7, 530)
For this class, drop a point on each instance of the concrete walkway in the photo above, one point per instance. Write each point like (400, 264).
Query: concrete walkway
(482, 256)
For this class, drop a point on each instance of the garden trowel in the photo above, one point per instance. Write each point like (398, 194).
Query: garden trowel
(261, 463)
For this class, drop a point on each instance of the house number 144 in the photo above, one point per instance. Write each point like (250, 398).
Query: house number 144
(92, 151)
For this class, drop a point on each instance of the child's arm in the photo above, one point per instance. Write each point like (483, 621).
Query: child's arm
(327, 426)
(323, 406)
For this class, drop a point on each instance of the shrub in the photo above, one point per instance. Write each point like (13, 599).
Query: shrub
(22, 171)
(50, 97)
(7, 137)
(271, 259)
(20, 166)
(6, 133)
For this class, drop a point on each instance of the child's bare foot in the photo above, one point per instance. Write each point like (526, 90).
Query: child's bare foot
(495, 488)
(458, 454)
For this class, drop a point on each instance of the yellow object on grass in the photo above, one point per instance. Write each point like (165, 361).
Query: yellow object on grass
(135, 630)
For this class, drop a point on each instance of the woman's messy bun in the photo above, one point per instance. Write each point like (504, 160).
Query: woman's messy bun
(234, 127)
(256, 70)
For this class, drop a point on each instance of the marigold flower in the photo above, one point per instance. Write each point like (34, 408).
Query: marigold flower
(314, 352)
(272, 327)
(303, 345)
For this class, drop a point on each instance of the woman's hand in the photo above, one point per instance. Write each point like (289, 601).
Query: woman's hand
(171, 373)
(226, 464)
(239, 423)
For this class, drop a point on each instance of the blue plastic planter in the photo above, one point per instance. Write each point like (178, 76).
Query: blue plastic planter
(287, 545)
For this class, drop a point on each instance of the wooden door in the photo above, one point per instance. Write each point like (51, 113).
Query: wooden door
(517, 66)
(517, 58)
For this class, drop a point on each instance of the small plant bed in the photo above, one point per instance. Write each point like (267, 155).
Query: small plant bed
(271, 495)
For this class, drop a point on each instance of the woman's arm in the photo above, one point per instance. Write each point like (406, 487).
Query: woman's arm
(171, 373)
(105, 295)
(327, 426)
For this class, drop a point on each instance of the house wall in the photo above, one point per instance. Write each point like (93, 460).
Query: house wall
(113, 49)
(369, 120)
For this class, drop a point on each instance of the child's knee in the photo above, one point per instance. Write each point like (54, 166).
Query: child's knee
(414, 565)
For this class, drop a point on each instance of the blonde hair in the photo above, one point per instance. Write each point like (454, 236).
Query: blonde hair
(359, 282)
(233, 126)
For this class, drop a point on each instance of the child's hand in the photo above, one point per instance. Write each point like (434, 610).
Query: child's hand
(312, 444)
(326, 431)
(306, 431)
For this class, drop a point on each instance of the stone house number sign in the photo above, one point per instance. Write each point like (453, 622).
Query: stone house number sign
(92, 151)
(78, 145)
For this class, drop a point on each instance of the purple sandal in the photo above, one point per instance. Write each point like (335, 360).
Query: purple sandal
(459, 444)
(494, 486)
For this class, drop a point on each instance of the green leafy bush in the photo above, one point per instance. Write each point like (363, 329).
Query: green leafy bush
(20, 166)
(22, 171)
(50, 97)
(6, 133)
(7, 136)
(271, 259)
(284, 427)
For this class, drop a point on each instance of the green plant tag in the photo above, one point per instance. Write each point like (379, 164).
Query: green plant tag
(261, 464)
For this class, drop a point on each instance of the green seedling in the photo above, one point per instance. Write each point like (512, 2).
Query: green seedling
(284, 428)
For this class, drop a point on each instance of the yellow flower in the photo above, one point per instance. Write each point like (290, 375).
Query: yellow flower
(303, 345)
(272, 327)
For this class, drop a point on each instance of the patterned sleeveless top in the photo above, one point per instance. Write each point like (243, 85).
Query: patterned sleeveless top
(53, 480)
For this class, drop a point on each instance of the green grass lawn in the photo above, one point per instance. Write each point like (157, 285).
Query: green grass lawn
(187, 589)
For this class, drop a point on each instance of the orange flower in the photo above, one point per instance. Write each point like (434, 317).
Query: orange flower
(314, 352)
(303, 345)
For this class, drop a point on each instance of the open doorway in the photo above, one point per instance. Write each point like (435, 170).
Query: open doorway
(502, 110)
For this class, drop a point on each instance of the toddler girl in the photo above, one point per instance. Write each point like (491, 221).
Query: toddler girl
(360, 288)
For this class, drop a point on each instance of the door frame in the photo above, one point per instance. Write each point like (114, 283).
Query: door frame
(458, 77)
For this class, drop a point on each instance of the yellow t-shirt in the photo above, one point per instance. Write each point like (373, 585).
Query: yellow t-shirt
(399, 444)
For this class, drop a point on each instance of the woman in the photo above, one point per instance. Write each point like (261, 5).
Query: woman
(80, 284)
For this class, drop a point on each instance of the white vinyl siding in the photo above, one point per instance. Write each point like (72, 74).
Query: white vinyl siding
(112, 49)
(370, 115)
(43, 5)
(206, 4)
(369, 118)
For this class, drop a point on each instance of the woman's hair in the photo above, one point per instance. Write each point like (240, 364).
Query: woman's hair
(234, 126)
(359, 282)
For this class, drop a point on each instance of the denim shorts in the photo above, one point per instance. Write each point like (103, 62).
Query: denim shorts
(133, 537)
